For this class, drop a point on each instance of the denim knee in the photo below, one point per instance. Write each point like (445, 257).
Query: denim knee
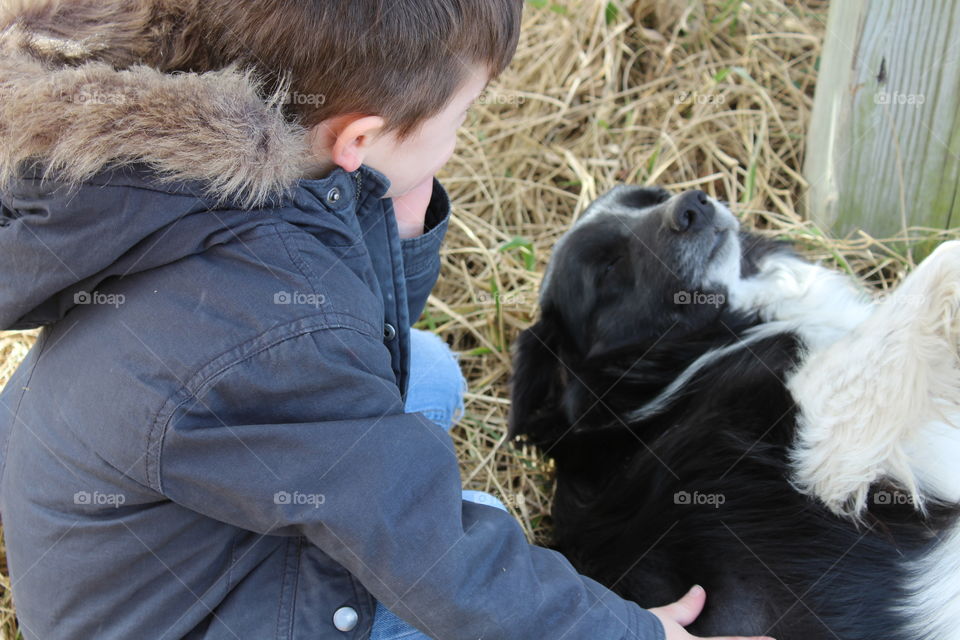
(436, 385)
(481, 497)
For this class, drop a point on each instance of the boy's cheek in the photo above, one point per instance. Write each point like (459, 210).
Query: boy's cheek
(437, 162)
(451, 147)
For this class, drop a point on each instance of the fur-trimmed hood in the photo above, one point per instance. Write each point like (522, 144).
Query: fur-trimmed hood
(78, 93)
(110, 166)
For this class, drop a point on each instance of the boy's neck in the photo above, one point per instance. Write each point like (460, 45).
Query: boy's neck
(317, 170)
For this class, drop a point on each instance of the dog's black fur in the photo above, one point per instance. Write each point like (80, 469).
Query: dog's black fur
(772, 560)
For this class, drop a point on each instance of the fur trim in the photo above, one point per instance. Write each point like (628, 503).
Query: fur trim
(64, 102)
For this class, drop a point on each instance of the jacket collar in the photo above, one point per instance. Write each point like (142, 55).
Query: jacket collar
(342, 191)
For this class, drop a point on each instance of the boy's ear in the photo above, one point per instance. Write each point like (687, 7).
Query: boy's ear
(346, 139)
(537, 383)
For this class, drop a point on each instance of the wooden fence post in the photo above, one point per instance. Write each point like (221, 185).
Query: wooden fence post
(883, 149)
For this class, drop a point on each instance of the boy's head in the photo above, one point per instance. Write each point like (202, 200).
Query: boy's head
(410, 160)
(385, 82)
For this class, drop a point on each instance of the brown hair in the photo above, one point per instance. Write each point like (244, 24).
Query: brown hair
(400, 59)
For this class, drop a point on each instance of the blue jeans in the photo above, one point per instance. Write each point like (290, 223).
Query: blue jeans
(436, 390)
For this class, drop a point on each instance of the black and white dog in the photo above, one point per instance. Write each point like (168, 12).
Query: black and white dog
(726, 413)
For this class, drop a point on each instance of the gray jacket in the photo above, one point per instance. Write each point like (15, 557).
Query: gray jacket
(208, 440)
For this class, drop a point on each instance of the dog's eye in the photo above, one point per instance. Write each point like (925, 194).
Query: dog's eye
(611, 264)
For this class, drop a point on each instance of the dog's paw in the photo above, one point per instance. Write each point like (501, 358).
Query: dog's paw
(865, 397)
(921, 322)
(840, 472)
(860, 401)
(932, 289)
(949, 250)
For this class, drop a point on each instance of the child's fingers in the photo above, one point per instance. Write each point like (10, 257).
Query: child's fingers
(685, 610)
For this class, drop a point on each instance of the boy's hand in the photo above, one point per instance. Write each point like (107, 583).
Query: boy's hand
(411, 208)
(683, 612)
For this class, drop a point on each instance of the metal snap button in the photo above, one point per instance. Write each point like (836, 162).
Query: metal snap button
(345, 618)
(333, 195)
(389, 332)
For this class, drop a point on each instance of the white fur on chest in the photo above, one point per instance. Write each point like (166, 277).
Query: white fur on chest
(822, 304)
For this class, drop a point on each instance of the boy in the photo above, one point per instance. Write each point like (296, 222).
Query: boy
(239, 225)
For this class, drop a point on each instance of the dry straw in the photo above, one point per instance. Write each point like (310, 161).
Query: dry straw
(712, 95)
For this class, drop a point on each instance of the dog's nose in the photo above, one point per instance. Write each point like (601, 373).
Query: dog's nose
(692, 212)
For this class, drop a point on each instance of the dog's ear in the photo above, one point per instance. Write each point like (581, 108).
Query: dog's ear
(536, 385)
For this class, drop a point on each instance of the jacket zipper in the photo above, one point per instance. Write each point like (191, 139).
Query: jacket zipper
(358, 178)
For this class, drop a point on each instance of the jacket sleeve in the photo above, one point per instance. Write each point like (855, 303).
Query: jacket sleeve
(421, 254)
(329, 454)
